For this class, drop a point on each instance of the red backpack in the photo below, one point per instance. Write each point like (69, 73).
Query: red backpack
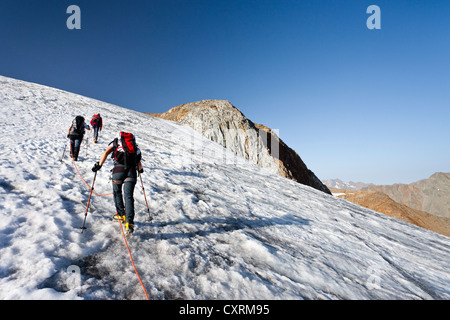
(95, 119)
(126, 151)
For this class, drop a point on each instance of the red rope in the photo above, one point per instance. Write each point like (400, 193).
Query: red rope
(100, 195)
(121, 228)
(131, 257)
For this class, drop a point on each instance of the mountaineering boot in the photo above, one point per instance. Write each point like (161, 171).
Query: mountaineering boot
(117, 218)
(129, 228)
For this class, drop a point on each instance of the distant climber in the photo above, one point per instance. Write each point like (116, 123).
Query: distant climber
(127, 161)
(97, 124)
(76, 134)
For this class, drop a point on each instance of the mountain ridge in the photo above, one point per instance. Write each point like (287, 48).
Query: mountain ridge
(431, 195)
(381, 202)
(395, 200)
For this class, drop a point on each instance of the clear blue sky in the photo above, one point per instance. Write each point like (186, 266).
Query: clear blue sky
(356, 104)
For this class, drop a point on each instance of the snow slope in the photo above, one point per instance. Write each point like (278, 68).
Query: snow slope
(222, 228)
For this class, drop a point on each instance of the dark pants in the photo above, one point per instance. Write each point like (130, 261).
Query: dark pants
(123, 189)
(75, 143)
(96, 128)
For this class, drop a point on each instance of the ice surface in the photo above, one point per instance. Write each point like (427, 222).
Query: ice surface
(222, 228)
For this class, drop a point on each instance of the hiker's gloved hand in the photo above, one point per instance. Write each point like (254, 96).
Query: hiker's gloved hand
(96, 167)
(141, 170)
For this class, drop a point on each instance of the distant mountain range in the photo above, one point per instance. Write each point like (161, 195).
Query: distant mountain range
(381, 202)
(425, 203)
(339, 184)
(431, 195)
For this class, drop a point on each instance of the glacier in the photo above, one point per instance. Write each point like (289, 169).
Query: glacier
(220, 228)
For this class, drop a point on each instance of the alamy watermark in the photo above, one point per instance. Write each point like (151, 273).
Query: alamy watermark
(74, 279)
(257, 146)
(74, 20)
(374, 279)
(374, 21)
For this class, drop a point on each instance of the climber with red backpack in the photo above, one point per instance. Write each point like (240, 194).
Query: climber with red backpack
(127, 162)
(97, 124)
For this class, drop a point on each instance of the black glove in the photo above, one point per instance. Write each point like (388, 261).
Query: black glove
(96, 167)
(142, 170)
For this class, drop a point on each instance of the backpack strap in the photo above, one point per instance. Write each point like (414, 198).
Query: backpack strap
(115, 145)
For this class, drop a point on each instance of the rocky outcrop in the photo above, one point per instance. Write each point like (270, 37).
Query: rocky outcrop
(223, 123)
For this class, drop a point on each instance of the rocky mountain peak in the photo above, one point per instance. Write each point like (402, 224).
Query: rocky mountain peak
(225, 124)
(217, 109)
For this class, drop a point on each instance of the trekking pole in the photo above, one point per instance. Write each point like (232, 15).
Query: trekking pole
(145, 197)
(64, 152)
(89, 201)
(87, 143)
